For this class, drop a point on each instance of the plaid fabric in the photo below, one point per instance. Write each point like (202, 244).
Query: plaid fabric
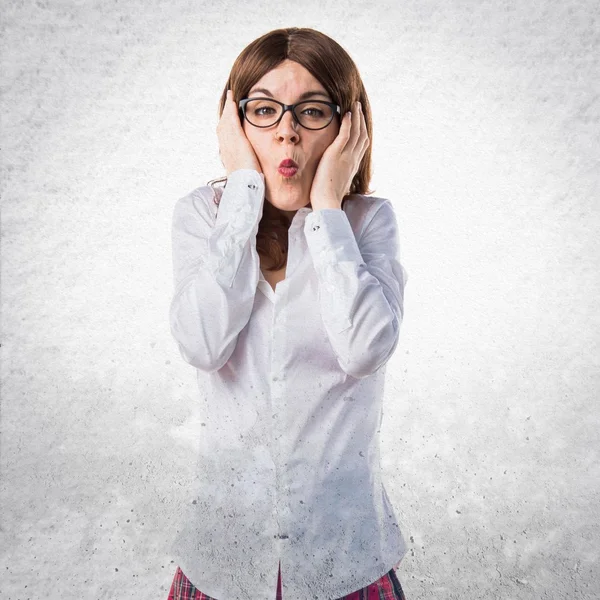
(386, 588)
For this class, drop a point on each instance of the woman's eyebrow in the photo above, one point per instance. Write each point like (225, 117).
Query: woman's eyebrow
(303, 96)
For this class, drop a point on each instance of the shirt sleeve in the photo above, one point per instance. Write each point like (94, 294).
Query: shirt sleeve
(216, 268)
(361, 285)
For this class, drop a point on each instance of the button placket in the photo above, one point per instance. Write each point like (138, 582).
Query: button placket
(277, 377)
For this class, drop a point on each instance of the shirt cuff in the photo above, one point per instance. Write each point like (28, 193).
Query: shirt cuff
(238, 216)
(336, 258)
(241, 199)
(330, 238)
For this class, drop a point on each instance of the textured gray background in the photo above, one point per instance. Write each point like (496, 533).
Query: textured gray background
(486, 138)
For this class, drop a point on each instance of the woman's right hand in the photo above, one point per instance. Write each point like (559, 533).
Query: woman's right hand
(235, 150)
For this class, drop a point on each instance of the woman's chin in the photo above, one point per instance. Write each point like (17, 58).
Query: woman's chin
(286, 195)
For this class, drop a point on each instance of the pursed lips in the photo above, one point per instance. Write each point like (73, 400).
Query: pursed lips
(287, 168)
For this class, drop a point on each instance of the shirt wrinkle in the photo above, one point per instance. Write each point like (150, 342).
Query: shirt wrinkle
(292, 384)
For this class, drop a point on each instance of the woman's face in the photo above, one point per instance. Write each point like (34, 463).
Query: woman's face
(286, 83)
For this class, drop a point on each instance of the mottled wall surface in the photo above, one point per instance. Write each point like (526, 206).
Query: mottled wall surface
(487, 140)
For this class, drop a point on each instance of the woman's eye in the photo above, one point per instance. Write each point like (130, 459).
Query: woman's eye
(313, 112)
(264, 110)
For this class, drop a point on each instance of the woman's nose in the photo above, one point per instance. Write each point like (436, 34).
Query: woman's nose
(287, 130)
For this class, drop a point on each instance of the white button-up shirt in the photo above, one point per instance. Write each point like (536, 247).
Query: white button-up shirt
(292, 385)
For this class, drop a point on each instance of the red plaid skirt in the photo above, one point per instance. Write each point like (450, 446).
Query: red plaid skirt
(386, 588)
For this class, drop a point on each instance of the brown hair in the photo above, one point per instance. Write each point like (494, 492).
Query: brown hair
(328, 62)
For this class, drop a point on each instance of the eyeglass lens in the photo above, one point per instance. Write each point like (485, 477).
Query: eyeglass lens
(311, 114)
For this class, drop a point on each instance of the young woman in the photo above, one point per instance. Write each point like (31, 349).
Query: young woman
(288, 301)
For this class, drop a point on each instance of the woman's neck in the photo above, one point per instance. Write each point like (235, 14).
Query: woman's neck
(273, 211)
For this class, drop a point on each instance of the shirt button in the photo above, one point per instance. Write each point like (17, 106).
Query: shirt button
(251, 186)
(316, 227)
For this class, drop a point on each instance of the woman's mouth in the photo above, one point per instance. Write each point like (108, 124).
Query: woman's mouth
(287, 171)
(287, 168)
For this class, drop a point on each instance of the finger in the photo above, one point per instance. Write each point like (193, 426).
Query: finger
(364, 131)
(235, 113)
(363, 150)
(345, 131)
(230, 101)
(363, 135)
(356, 124)
(363, 121)
(362, 142)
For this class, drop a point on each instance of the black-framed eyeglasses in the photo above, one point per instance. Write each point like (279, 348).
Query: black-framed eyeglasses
(310, 114)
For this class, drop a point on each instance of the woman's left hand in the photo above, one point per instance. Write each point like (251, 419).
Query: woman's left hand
(340, 162)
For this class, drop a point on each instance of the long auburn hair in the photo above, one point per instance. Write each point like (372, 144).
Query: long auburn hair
(330, 64)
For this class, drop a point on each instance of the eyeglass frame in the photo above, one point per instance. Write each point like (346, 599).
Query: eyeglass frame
(242, 106)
